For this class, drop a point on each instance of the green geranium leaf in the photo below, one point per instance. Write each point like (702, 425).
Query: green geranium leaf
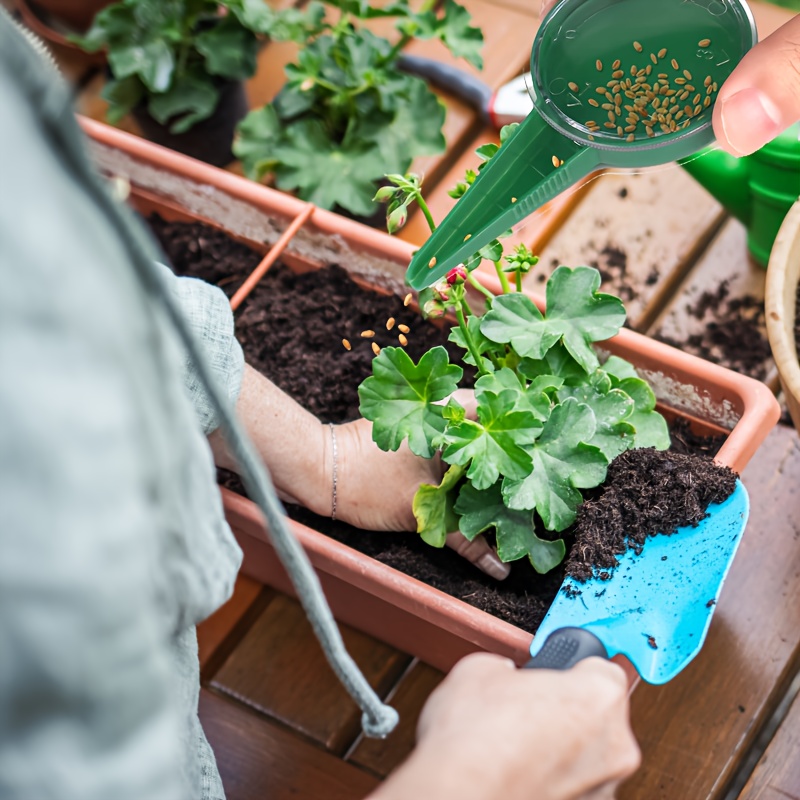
(557, 362)
(229, 49)
(122, 96)
(326, 173)
(493, 445)
(462, 39)
(577, 315)
(415, 128)
(153, 61)
(400, 398)
(562, 464)
(514, 530)
(612, 410)
(531, 399)
(619, 369)
(433, 508)
(257, 136)
(484, 346)
(191, 98)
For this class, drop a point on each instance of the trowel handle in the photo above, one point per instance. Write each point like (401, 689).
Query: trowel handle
(565, 647)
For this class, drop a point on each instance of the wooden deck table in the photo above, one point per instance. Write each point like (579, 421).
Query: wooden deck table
(729, 725)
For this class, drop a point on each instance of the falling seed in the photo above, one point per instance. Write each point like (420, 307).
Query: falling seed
(574, 86)
(376, 349)
(367, 334)
(554, 159)
(347, 345)
(390, 323)
(593, 102)
(599, 65)
(469, 235)
(704, 43)
(432, 263)
(662, 52)
(637, 47)
(402, 339)
(407, 299)
(404, 328)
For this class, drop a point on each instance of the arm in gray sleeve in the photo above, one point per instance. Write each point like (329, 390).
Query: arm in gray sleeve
(209, 315)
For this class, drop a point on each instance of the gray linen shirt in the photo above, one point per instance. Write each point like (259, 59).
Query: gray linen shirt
(113, 544)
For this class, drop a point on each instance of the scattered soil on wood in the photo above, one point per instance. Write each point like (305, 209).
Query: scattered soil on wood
(292, 328)
(646, 493)
(733, 334)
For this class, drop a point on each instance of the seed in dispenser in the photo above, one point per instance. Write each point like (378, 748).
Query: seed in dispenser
(662, 52)
(675, 64)
(593, 102)
(704, 43)
(556, 162)
(432, 263)
(573, 86)
(599, 65)
(687, 74)
(631, 138)
(637, 47)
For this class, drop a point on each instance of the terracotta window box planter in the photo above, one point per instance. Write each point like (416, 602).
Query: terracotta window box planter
(362, 592)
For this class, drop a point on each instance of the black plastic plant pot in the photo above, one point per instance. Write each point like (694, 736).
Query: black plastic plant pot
(210, 140)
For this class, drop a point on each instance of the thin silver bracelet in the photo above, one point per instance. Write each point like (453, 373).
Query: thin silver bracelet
(335, 471)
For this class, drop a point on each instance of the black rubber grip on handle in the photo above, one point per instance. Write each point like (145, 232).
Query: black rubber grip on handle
(565, 647)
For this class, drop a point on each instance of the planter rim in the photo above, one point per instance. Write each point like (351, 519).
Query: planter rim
(782, 273)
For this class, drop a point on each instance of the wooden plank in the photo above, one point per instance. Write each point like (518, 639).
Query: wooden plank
(278, 669)
(777, 774)
(718, 305)
(695, 730)
(642, 230)
(215, 630)
(258, 758)
(381, 756)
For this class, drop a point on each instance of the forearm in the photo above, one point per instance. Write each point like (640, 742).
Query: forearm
(291, 441)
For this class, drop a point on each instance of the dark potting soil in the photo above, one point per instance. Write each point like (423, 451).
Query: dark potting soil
(733, 334)
(291, 328)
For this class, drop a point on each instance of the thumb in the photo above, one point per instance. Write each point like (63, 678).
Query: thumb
(761, 98)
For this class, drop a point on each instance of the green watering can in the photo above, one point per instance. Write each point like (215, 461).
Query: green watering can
(758, 190)
(615, 83)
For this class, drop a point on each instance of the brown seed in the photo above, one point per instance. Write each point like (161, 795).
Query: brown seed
(714, 86)
(513, 199)
(630, 129)
(697, 109)
(555, 161)
(618, 74)
(650, 132)
(591, 138)
(708, 81)
(687, 74)
(683, 95)
(674, 109)
(612, 84)
(633, 70)
(607, 106)
(675, 64)
(617, 89)
(367, 334)
(407, 300)
(704, 43)
(689, 87)
(432, 263)
(648, 69)
(662, 52)
(710, 90)
(600, 90)
(637, 47)
(402, 339)
(347, 345)
(616, 64)
(671, 93)
(591, 123)
(680, 81)
(390, 323)
(593, 102)
(599, 65)
(376, 349)
(467, 237)
(609, 125)
(611, 116)
(404, 328)
(697, 98)
(679, 115)
(573, 86)
(620, 130)
(631, 137)
(707, 102)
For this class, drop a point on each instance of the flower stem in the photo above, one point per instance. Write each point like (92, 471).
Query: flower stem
(477, 285)
(425, 210)
(519, 280)
(473, 350)
(503, 278)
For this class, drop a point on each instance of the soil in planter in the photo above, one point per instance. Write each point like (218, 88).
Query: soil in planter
(733, 333)
(292, 328)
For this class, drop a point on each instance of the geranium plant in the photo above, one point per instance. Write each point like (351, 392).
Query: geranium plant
(174, 55)
(347, 114)
(550, 417)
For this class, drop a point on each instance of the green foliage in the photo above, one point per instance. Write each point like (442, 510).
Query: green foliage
(549, 417)
(367, 117)
(174, 55)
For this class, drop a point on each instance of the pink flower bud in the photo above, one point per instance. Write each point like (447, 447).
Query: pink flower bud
(457, 276)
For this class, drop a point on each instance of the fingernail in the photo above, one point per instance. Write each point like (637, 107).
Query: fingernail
(750, 120)
(493, 566)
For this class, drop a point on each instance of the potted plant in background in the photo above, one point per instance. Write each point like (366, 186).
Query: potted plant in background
(347, 114)
(56, 20)
(179, 65)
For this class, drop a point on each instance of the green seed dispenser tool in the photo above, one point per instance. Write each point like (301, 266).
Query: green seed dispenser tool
(615, 84)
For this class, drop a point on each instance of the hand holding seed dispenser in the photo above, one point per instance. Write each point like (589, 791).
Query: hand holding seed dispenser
(615, 83)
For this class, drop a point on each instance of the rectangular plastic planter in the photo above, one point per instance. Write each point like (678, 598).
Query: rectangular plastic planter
(362, 592)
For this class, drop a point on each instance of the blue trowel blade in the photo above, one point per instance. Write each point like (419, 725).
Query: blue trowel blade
(657, 606)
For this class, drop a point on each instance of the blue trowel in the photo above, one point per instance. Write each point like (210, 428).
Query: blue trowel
(656, 607)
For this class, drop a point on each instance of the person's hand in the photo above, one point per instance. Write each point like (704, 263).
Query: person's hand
(375, 490)
(761, 98)
(492, 732)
